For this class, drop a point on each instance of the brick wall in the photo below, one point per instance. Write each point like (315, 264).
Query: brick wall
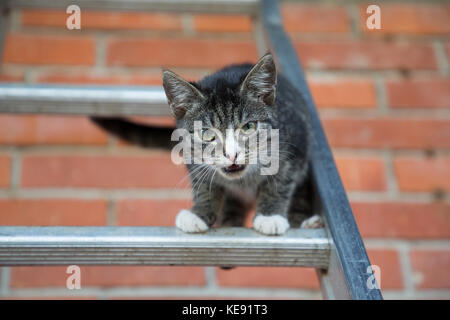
(384, 97)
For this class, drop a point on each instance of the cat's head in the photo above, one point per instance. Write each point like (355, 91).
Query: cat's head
(233, 108)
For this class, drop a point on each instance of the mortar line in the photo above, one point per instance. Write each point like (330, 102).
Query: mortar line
(111, 213)
(16, 170)
(4, 281)
(210, 276)
(390, 175)
(381, 95)
(187, 25)
(171, 291)
(355, 21)
(441, 57)
(100, 53)
(406, 270)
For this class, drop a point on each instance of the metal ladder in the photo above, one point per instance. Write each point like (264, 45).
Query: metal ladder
(337, 251)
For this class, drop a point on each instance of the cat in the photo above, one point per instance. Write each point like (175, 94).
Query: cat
(233, 105)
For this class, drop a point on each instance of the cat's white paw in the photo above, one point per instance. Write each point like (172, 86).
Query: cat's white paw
(314, 222)
(271, 225)
(190, 222)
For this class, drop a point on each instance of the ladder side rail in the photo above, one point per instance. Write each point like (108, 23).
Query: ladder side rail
(348, 249)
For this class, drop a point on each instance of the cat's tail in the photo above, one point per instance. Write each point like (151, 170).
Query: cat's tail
(146, 136)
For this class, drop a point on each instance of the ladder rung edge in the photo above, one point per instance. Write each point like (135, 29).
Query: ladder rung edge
(161, 246)
(207, 6)
(83, 100)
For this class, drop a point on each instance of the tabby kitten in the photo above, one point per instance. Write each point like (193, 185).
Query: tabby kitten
(233, 105)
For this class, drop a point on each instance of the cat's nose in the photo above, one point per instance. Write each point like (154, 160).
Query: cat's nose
(232, 156)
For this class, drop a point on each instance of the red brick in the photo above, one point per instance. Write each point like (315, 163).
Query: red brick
(417, 19)
(271, 277)
(344, 94)
(59, 50)
(365, 55)
(387, 132)
(418, 174)
(419, 93)
(104, 20)
(179, 52)
(52, 212)
(430, 268)
(108, 276)
(222, 23)
(153, 171)
(413, 220)
(7, 77)
(5, 171)
(149, 212)
(389, 263)
(361, 173)
(28, 130)
(313, 18)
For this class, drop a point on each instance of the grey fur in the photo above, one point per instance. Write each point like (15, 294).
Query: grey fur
(232, 97)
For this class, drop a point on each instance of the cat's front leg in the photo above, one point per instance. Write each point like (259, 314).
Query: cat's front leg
(272, 208)
(202, 215)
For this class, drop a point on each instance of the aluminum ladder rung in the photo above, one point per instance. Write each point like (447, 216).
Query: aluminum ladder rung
(161, 246)
(83, 100)
(207, 6)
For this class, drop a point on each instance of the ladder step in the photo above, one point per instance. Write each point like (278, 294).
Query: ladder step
(83, 100)
(161, 246)
(215, 6)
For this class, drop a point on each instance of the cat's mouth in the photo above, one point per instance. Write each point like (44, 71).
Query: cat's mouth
(233, 168)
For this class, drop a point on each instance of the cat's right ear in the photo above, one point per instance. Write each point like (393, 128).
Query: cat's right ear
(181, 95)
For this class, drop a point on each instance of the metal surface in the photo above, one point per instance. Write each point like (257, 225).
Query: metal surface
(210, 6)
(83, 100)
(351, 256)
(332, 280)
(160, 246)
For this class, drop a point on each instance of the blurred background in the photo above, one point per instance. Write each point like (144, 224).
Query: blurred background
(383, 96)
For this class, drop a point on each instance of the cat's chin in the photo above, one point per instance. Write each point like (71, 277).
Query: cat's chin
(234, 171)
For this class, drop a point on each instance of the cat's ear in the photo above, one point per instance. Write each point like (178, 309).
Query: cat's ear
(181, 95)
(260, 83)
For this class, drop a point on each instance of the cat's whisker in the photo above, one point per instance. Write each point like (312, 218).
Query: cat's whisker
(188, 175)
(202, 177)
(197, 177)
(212, 178)
(194, 176)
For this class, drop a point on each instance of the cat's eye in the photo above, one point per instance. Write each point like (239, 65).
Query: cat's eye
(249, 127)
(208, 135)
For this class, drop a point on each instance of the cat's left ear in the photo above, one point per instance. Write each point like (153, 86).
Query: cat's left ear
(181, 95)
(260, 83)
